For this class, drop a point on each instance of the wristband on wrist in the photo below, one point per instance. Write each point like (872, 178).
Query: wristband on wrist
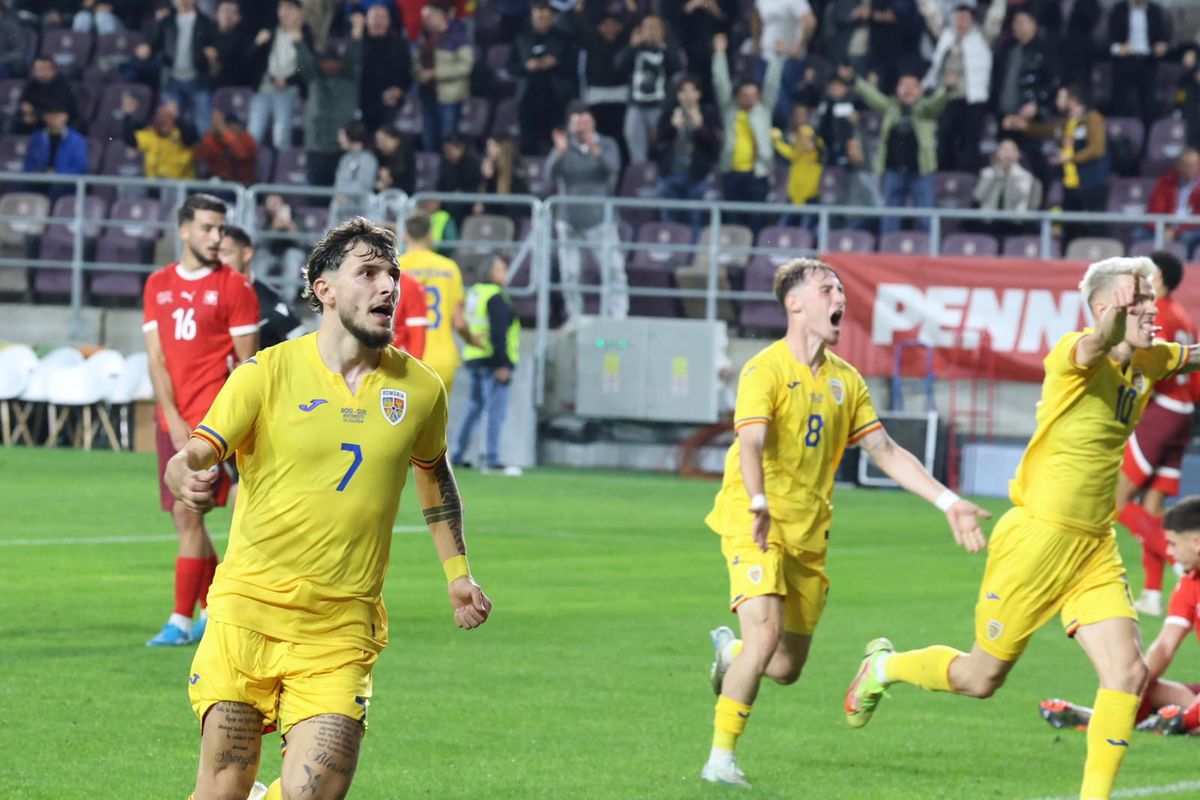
(758, 502)
(946, 499)
(456, 567)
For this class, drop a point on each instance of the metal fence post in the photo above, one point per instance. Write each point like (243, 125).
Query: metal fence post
(714, 256)
(540, 263)
(76, 327)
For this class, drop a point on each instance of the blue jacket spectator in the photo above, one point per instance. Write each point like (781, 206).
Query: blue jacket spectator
(56, 149)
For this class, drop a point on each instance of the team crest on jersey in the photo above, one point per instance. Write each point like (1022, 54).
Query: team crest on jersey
(838, 390)
(394, 403)
(1139, 381)
(165, 297)
(210, 297)
(995, 629)
(754, 574)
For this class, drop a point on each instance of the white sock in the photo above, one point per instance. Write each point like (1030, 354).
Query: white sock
(719, 757)
(1154, 595)
(180, 621)
(880, 672)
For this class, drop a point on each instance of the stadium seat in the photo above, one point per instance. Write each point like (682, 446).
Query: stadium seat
(520, 276)
(86, 95)
(791, 242)
(28, 47)
(851, 241)
(291, 167)
(497, 63)
(953, 189)
(408, 118)
(733, 246)
(480, 236)
(870, 123)
(760, 315)
(107, 122)
(831, 180)
(473, 123)
(12, 152)
(905, 242)
(696, 277)
(16, 236)
(505, 122)
(647, 275)
(428, 166)
(266, 163)
(69, 49)
(1029, 247)
(95, 151)
(640, 180)
(122, 161)
(1129, 195)
(1129, 128)
(970, 244)
(778, 192)
(10, 98)
(235, 99)
(1094, 248)
(118, 284)
(535, 175)
(1146, 247)
(17, 364)
(58, 243)
(114, 49)
(312, 219)
(1166, 141)
(661, 233)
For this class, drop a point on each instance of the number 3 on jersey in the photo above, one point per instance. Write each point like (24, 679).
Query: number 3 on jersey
(433, 301)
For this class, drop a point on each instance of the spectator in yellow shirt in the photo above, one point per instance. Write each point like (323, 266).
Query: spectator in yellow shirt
(805, 150)
(167, 141)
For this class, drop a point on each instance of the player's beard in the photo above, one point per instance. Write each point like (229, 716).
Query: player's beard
(374, 340)
(203, 260)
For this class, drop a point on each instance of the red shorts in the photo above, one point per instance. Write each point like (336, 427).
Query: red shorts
(166, 450)
(1155, 451)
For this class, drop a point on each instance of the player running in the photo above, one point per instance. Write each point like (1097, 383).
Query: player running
(1154, 455)
(1168, 707)
(1055, 551)
(798, 407)
(324, 428)
(201, 318)
(444, 296)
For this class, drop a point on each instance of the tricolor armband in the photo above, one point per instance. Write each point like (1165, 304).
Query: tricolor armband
(456, 567)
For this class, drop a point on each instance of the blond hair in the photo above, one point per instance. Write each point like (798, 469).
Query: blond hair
(796, 272)
(1101, 274)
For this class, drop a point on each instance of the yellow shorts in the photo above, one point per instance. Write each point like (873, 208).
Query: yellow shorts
(286, 682)
(796, 575)
(1035, 570)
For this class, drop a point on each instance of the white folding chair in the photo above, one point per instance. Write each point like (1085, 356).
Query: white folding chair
(76, 397)
(27, 410)
(133, 384)
(17, 363)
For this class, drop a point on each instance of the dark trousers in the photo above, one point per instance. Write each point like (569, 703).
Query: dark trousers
(322, 166)
(960, 130)
(744, 187)
(1135, 88)
(1091, 199)
(539, 112)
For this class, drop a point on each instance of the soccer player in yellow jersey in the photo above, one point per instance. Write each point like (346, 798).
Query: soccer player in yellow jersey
(1054, 552)
(798, 407)
(444, 296)
(324, 428)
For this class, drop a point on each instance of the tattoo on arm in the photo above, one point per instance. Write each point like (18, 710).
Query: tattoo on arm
(450, 511)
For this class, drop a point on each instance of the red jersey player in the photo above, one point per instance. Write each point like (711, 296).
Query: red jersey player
(1155, 451)
(1176, 706)
(412, 317)
(201, 318)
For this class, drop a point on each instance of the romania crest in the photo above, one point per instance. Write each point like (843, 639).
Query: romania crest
(394, 403)
(838, 390)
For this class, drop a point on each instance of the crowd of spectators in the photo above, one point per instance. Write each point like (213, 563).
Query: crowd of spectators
(739, 99)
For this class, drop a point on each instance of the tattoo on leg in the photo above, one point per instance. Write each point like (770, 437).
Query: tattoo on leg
(335, 745)
(450, 511)
(313, 779)
(241, 729)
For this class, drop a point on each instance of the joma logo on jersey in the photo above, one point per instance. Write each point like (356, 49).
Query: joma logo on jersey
(394, 403)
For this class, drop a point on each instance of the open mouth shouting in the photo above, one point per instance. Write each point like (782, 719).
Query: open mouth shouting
(383, 312)
(835, 319)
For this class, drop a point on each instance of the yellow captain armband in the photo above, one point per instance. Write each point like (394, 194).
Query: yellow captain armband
(456, 567)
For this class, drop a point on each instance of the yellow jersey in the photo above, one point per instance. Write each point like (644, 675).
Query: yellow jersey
(1068, 474)
(443, 284)
(321, 474)
(811, 419)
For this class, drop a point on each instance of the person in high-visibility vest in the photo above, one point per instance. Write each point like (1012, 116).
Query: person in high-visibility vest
(490, 362)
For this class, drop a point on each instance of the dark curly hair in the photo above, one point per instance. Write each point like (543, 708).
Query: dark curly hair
(337, 242)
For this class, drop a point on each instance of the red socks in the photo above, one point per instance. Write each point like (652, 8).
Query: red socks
(210, 569)
(189, 572)
(1191, 717)
(1147, 529)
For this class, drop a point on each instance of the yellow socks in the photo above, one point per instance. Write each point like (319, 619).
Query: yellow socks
(1108, 737)
(928, 668)
(731, 719)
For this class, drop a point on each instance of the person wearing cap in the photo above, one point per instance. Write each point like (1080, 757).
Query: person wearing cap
(962, 51)
(56, 149)
(227, 151)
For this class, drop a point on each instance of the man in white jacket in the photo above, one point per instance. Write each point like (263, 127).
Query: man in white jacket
(962, 50)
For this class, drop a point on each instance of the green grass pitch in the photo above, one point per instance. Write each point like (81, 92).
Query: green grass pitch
(590, 680)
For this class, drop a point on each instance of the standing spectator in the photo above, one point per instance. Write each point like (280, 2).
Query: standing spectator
(1177, 193)
(319, 16)
(607, 87)
(1070, 28)
(333, 84)
(649, 63)
(836, 117)
(695, 23)
(961, 52)
(166, 142)
(459, 173)
(46, 88)
(541, 62)
(277, 321)
(747, 152)
(502, 173)
(686, 149)
(490, 360)
(96, 16)
(1138, 36)
(1023, 83)
(848, 34)
(859, 186)
(397, 164)
(56, 149)
(275, 74)
(1189, 97)
(793, 23)
(907, 156)
(232, 64)
(187, 43)
(12, 46)
(895, 30)
(1082, 155)
(443, 62)
(585, 164)
(355, 178)
(283, 237)
(805, 152)
(387, 69)
(1006, 186)
(227, 151)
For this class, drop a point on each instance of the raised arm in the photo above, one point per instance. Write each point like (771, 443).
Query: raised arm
(1110, 327)
(438, 493)
(905, 469)
(870, 95)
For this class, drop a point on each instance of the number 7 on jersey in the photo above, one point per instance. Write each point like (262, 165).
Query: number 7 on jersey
(354, 465)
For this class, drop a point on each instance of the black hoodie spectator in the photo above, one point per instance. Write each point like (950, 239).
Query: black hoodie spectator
(543, 63)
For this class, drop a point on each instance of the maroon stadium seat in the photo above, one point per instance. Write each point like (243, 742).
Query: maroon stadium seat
(970, 244)
(761, 315)
(291, 167)
(953, 189)
(428, 165)
(107, 122)
(12, 153)
(662, 233)
(505, 123)
(1146, 247)
(235, 99)
(58, 243)
(473, 123)
(1168, 138)
(1029, 247)
(851, 241)
(792, 242)
(408, 118)
(535, 175)
(1130, 128)
(114, 49)
(905, 242)
(266, 163)
(646, 275)
(70, 50)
